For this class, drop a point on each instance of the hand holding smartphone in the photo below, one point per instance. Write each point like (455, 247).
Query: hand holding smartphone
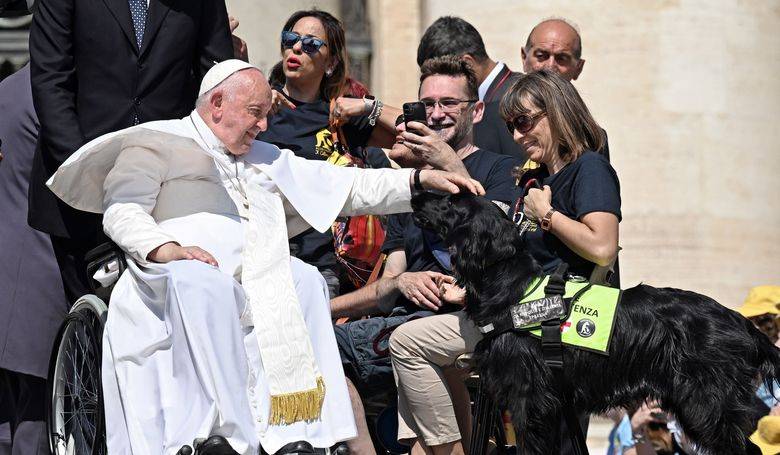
(414, 112)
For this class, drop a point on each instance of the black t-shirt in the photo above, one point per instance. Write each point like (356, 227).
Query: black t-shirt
(589, 184)
(492, 170)
(304, 130)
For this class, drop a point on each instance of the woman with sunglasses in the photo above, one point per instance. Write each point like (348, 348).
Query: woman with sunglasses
(314, 71)
(570, 207)
(572, 216)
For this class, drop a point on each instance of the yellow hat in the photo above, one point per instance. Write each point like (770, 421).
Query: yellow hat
(761, 300)
(767, 436)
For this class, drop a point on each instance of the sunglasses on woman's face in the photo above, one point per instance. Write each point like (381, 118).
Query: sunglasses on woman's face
(523, 123)
(309, 44)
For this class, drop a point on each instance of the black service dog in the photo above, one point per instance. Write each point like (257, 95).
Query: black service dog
(699, 359)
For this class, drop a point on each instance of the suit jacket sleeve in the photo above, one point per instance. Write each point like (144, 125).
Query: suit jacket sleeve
(131, 190)
(214, 41)
(379, 192)
(53, 79)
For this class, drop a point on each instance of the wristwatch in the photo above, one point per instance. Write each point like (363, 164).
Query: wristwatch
(546, 221)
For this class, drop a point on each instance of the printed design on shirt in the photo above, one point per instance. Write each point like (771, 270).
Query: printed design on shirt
(324, 143)
(529, 225)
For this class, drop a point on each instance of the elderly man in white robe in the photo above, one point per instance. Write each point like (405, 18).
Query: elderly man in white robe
(215, 334)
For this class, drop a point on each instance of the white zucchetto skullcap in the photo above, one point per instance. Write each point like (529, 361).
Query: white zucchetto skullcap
(222, 71)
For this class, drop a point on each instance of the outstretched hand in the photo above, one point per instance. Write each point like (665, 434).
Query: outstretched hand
(172, 251)
(449, 182)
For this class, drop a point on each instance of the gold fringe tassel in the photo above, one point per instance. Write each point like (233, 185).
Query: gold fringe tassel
(298, 406)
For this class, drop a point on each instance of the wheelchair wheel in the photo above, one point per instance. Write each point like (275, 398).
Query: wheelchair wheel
(75, 401)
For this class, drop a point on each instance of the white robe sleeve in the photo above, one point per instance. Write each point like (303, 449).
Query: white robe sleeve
(379, 192)
(131, 189)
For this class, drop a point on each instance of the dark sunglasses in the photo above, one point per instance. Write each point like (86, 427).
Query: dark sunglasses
(523, 123)
(309, 44)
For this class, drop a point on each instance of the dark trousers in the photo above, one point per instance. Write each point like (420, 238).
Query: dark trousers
(22, 413)
(71, 260)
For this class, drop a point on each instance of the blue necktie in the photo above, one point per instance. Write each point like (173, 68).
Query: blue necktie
(138, 12)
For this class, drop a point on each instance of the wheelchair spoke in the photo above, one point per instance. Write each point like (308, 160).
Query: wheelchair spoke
(77, 392)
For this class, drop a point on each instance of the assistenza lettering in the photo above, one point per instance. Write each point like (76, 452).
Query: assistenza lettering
(585, 310)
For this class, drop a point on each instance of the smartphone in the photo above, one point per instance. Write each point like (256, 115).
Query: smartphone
(414, 112)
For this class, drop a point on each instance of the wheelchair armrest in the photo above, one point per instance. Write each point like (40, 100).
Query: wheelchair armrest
(104, 256)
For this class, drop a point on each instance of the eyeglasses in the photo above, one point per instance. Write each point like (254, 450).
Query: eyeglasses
(523, 123)
(309, 44)
(448, 105)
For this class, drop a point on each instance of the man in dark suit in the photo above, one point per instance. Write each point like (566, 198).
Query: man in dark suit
(32, 302)
(450, 35)
(103, 65)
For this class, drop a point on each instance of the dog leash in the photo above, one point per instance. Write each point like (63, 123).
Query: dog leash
(552, 350)
(552, 353)
(518, 217)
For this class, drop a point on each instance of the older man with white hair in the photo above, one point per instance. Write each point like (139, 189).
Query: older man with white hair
(214, 333)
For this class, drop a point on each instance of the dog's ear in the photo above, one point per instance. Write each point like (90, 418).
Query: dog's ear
(479, 245)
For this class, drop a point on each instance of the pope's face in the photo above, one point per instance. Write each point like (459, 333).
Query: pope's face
(243, 112)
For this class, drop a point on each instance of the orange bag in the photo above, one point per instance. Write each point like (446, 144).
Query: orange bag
(356, 239)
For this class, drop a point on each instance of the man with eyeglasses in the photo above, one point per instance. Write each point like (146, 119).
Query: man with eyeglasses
(450, 35)
(417, 265)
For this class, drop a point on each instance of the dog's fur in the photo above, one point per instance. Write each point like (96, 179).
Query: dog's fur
(699, 359)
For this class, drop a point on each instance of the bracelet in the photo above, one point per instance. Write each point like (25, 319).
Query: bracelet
(368, 105)
(416, 179)
(376, 111)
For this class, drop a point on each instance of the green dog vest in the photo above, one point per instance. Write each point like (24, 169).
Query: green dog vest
(591, 316)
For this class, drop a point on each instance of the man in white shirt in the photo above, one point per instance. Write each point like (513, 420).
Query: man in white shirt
(214, 333)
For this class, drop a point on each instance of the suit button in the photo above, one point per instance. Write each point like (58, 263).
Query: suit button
(137, 101)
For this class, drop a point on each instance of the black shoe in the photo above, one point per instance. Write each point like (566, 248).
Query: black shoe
(185, 450)
(296, 448)
(340, 448)
(214, 445)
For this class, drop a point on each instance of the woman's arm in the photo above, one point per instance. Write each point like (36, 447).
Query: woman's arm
(594, 237)
(383, 134)
(384, 131)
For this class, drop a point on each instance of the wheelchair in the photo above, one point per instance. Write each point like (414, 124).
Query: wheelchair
(75, 420)
(74, 402)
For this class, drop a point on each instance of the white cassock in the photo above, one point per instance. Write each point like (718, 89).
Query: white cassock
(180, 356)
